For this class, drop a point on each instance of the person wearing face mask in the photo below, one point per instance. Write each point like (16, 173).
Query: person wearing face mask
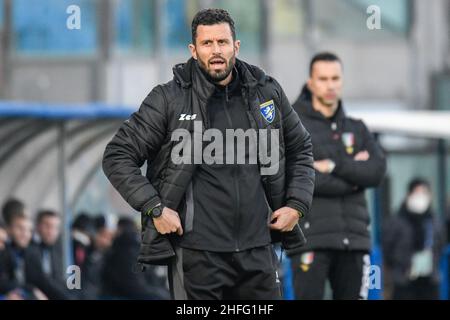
(413, 243)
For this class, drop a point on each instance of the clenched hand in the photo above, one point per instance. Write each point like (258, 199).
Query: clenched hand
(168, 222)
(284, 219)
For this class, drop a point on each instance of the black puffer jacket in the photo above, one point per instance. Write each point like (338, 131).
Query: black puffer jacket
(146, 136)
(339, 218)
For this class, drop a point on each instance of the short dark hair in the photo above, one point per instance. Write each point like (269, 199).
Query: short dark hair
(126, 224)
(11, 208)
(17, 216)
(323, 56)
(99, 222)
(42, 214)
(209, 17)
(414, 183)
(83, 222)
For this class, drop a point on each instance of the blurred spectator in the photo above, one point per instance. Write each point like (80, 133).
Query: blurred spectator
(81, 241)
(21, 274)
(48, 248)
(48, 227)
(120, 280)
(413, 242)
(10, 208)
(102, 240)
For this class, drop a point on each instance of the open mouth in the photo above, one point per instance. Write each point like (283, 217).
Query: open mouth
(217, 62)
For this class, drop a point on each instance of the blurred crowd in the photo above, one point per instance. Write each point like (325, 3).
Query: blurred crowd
(32, 267)
(32, 264)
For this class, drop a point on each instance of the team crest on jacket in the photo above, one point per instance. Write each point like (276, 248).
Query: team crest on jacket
(268, 110)
(348, 138)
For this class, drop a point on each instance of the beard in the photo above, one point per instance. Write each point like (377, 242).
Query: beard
(327, 103)
(217, 76)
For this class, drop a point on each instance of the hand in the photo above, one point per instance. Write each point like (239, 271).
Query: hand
(362, 156)
(323, 166)
(284, 219)
(168, 222)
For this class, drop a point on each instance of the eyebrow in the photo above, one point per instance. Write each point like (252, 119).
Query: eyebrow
(221, 39)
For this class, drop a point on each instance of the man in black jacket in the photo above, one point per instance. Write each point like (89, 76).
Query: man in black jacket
(217, 214)
(46, 244)
(347, 161)
(48, 250)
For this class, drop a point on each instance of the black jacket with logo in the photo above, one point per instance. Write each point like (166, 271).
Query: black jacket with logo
(338, 218)
(146, 136)
(231, 213)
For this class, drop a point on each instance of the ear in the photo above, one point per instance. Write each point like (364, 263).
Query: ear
(237, 46)
(193, 51)
(309, 83)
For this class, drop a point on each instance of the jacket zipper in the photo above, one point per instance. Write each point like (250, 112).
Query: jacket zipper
(336, 130)
(235, 181)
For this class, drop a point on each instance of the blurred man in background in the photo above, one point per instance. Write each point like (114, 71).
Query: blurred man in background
(48, 227)
(81, 239)
(101, 242)
(20, 267)
(347, 160)
(119, 279)
(48, 249)
(10, 208)
(413, 242)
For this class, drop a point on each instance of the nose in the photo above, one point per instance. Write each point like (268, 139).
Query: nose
(216, 48)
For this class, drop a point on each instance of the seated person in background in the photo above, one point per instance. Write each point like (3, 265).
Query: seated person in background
(81, 239)
(10, 208)
(48, 248)
(101, 242)
(119, 280)
(20, 268)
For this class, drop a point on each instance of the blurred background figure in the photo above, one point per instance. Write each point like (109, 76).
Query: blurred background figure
(21, 274)
(413, 242)
(10, 208)
(81, 239)
(120, 277)
(397, 76)
(101, 242)
(48, 249)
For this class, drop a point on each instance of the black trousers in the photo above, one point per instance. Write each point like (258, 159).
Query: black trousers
(346, 271)
(204, 275)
